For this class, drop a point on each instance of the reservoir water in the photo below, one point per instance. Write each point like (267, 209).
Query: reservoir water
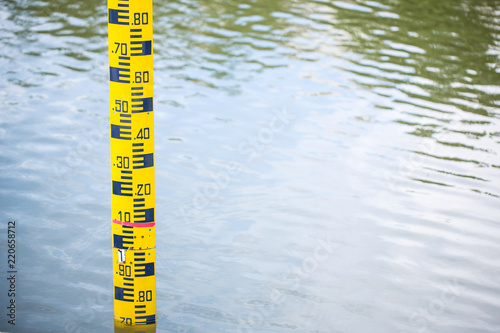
(321, 166)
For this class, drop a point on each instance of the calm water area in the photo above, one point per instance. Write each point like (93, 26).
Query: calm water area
(321, 166)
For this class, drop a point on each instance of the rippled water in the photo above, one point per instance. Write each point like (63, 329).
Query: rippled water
(322, 166)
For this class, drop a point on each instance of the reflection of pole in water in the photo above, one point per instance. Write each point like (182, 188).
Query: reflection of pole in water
(130, 46)
(119, 328)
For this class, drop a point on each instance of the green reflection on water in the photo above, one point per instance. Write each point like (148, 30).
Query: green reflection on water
(451, 45)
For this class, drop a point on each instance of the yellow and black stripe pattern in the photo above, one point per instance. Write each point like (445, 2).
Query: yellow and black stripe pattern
(130, 38)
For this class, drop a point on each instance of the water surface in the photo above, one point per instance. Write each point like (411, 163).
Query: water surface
(321, 166)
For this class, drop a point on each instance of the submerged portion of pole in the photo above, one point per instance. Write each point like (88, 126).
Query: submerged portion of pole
(130, 41)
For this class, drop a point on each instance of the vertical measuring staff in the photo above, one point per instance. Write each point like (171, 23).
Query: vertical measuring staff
(130, 41)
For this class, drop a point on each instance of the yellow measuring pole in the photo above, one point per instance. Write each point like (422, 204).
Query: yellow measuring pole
(130, 38)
